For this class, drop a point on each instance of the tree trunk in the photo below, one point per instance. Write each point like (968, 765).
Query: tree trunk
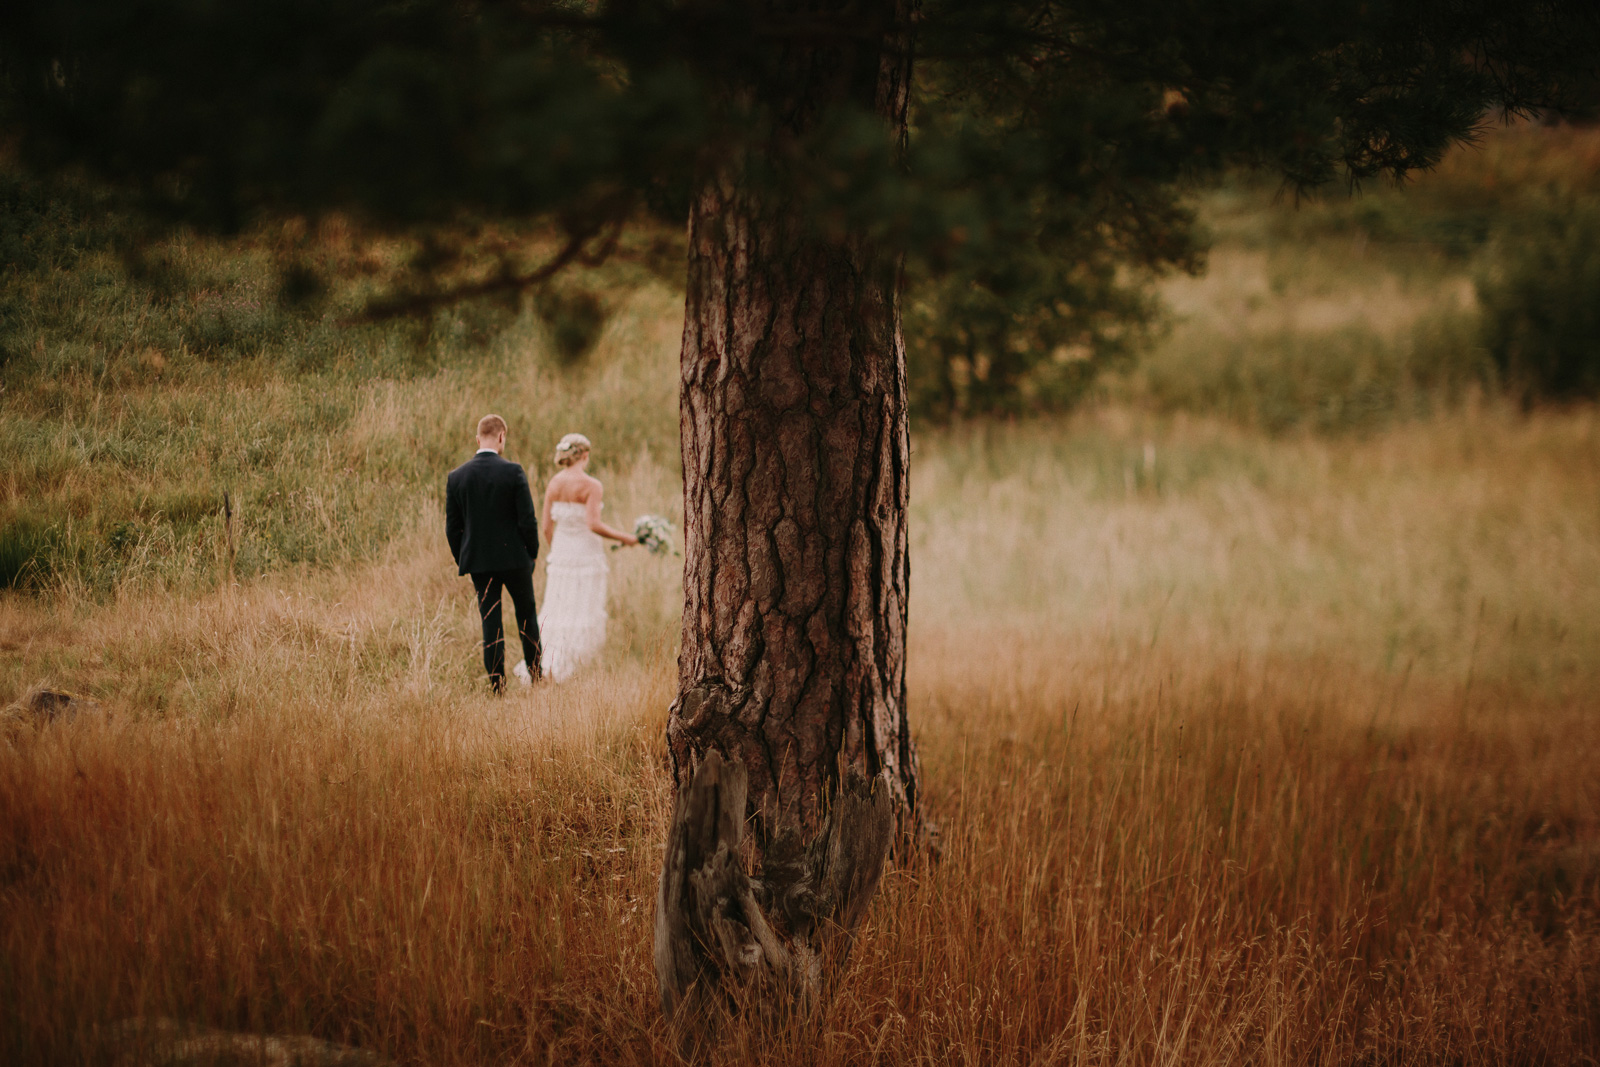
(791, 712)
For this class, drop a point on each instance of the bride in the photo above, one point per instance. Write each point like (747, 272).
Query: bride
(572, 626)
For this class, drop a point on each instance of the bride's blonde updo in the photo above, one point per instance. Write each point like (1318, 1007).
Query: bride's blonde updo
(571, 449)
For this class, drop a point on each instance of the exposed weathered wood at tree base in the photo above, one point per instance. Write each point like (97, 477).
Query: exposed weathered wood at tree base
(156, 1042)
(721, 933)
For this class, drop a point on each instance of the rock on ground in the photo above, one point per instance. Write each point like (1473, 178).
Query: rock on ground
(44, 706)
(168, 1043)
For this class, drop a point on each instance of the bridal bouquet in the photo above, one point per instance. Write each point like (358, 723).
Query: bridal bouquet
(654, 533)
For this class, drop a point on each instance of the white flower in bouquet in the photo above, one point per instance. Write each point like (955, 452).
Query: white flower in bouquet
(654, 533)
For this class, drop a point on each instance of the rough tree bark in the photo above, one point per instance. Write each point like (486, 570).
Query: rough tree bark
(791, 713)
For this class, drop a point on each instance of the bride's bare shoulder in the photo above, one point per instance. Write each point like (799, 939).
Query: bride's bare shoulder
(564, 489)
(573, 487)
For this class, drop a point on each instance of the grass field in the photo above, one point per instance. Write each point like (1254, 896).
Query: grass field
(1261, 752)
(1250, 739)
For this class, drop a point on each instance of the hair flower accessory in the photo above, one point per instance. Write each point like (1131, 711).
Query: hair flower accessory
(570, 447)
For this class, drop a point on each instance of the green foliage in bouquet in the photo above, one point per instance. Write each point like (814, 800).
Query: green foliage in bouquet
(654, 533)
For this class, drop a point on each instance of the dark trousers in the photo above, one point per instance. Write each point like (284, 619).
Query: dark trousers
(520, 585)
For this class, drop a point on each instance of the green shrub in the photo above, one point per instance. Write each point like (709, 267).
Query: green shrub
(574, 317)
(1030, 334)
(1541, 303)
(25, 548)
(1349, 379)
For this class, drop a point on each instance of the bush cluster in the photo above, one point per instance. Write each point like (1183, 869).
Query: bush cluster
(1022, 336)
(1540, 295)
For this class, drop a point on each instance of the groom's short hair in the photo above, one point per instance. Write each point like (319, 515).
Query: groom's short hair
(490, 425)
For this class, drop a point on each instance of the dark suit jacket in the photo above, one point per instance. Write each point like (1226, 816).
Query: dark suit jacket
(489, 517)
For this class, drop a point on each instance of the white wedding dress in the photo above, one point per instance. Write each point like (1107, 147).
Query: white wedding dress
(572, 625)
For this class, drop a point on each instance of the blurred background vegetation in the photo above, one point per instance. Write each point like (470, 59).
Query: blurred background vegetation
(1334, 312)
(141, 381)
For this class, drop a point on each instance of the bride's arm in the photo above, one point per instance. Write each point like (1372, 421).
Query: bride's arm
(592, 505)
(547, 526)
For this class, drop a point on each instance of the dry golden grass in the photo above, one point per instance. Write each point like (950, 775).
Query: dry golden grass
(1242, 751)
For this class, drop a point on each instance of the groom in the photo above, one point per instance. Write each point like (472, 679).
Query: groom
(493, 529)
